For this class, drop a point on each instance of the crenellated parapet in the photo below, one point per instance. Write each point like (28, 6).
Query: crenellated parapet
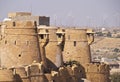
(90, 36)
(18, 41)
(20, 24)
(60, 36)
(97, 72)
(35, 72)
(43, 36)
(67, 74)
(15, 14)
(26, 16)
(97, 68)
(6, 75)
(51, 42)
(76, 46)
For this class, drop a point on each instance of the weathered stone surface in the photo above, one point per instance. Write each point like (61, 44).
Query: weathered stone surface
(6, 76)
(76, 46)
(36, 53)
(18, 44)
(97, 72)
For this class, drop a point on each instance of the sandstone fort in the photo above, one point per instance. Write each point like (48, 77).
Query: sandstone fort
(33, 51)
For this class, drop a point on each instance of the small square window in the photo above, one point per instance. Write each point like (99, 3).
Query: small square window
(74, 43)
(59, 35)
(15, 42)
(42, 36)
(5, 41)
(14, 24)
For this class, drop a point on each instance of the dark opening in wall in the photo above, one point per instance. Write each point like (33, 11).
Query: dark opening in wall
(14, 24)
(15, 42)
(59, 35)
(27, 43)
(42, 36)
(74, 43)
(35, 23)
(19, 55)
(5, 41)
(62, 46)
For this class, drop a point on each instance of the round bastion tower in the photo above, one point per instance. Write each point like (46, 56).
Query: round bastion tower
(33, 51)
(19, 44)
(77, 45)
(51, 41)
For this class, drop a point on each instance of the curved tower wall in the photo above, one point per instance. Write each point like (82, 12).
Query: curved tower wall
(97, 72)
(50, 48)
(53, 49)
(76, 46)
(19, 44)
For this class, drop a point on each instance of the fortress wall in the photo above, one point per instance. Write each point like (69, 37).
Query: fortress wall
(20, 31)
(50, 40)
(6, 75)
(21, 75)
(0, 29)
(76, 46)
(14, 14)
(34, 73)
(97, 72)
(67, 74)
(23, 47)
(51, 48)
(20, 24)
(40, 20)
(19, 44)
(76, 34)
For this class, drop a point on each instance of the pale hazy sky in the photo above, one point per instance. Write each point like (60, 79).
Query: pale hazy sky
(68, 12)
